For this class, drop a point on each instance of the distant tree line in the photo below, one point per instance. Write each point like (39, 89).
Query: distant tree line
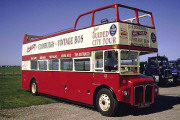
(10, 70)
(10, 66)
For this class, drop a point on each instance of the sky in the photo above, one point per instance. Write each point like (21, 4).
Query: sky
(41, 17)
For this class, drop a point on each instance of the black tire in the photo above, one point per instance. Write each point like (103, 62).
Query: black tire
(33, 88)
(175, 81)
(106, 103)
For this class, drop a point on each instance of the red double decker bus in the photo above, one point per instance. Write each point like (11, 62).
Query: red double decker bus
(95, 63)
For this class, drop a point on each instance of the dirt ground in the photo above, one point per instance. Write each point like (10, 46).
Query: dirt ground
(166, 107)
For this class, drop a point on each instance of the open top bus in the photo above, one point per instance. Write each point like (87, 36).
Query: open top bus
(96, 64)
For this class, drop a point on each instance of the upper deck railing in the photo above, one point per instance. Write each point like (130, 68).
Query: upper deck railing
(118, 15)
(117, 9)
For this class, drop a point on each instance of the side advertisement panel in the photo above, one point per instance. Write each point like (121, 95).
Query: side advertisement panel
(139, 36)
(90, 37)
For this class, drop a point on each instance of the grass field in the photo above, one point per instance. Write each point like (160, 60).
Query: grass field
(13, 96)
(10, 70)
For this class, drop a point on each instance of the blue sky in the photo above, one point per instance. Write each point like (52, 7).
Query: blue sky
(40, 17)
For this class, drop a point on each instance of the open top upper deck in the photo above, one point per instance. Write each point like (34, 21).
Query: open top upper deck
(115, 25)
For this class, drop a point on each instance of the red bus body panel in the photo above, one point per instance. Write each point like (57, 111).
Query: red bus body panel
(81, 86)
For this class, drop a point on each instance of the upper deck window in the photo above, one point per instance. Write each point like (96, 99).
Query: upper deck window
(127, 15)
(145, 19)
(84, 21)
(104, 16)
(136, 16)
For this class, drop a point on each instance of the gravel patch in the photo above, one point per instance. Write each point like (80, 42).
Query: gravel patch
(166, 107)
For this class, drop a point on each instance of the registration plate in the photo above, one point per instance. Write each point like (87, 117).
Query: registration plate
(170, 80)
(144, 105)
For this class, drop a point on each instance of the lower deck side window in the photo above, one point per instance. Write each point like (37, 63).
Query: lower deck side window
(34, 65)
(66, 64)
(42, 65)
(82, 64)
(54, 64)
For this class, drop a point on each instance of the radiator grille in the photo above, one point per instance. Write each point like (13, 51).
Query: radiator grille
(167, 73)
(143, 94)
(148, 93)
(138, 95)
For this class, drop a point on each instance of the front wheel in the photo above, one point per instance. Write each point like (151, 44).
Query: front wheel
(33, 88)
(106, 103)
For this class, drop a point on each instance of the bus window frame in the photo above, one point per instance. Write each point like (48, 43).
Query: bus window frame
(117, 15)
(96, 69)
(131, 66)
(58, 65)
(47, 67)
(103, 68)
(90, 64)
(69, 70)
(37, 66)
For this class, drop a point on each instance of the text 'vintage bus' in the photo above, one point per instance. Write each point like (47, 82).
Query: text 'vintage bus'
(96, 62)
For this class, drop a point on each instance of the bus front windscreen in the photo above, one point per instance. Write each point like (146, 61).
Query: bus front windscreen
(129, 63)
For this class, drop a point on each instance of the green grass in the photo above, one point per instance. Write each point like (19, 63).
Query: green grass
(13, 96)
(10, 70)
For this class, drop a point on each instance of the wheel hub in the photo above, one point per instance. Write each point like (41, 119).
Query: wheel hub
(104, 102)
(33, 88)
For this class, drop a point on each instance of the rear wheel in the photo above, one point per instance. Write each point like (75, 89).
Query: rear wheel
(106, 103)
(33, 88)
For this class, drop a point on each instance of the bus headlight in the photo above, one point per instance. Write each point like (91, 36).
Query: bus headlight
(156, 90)
(162, 76)
(125, 93)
